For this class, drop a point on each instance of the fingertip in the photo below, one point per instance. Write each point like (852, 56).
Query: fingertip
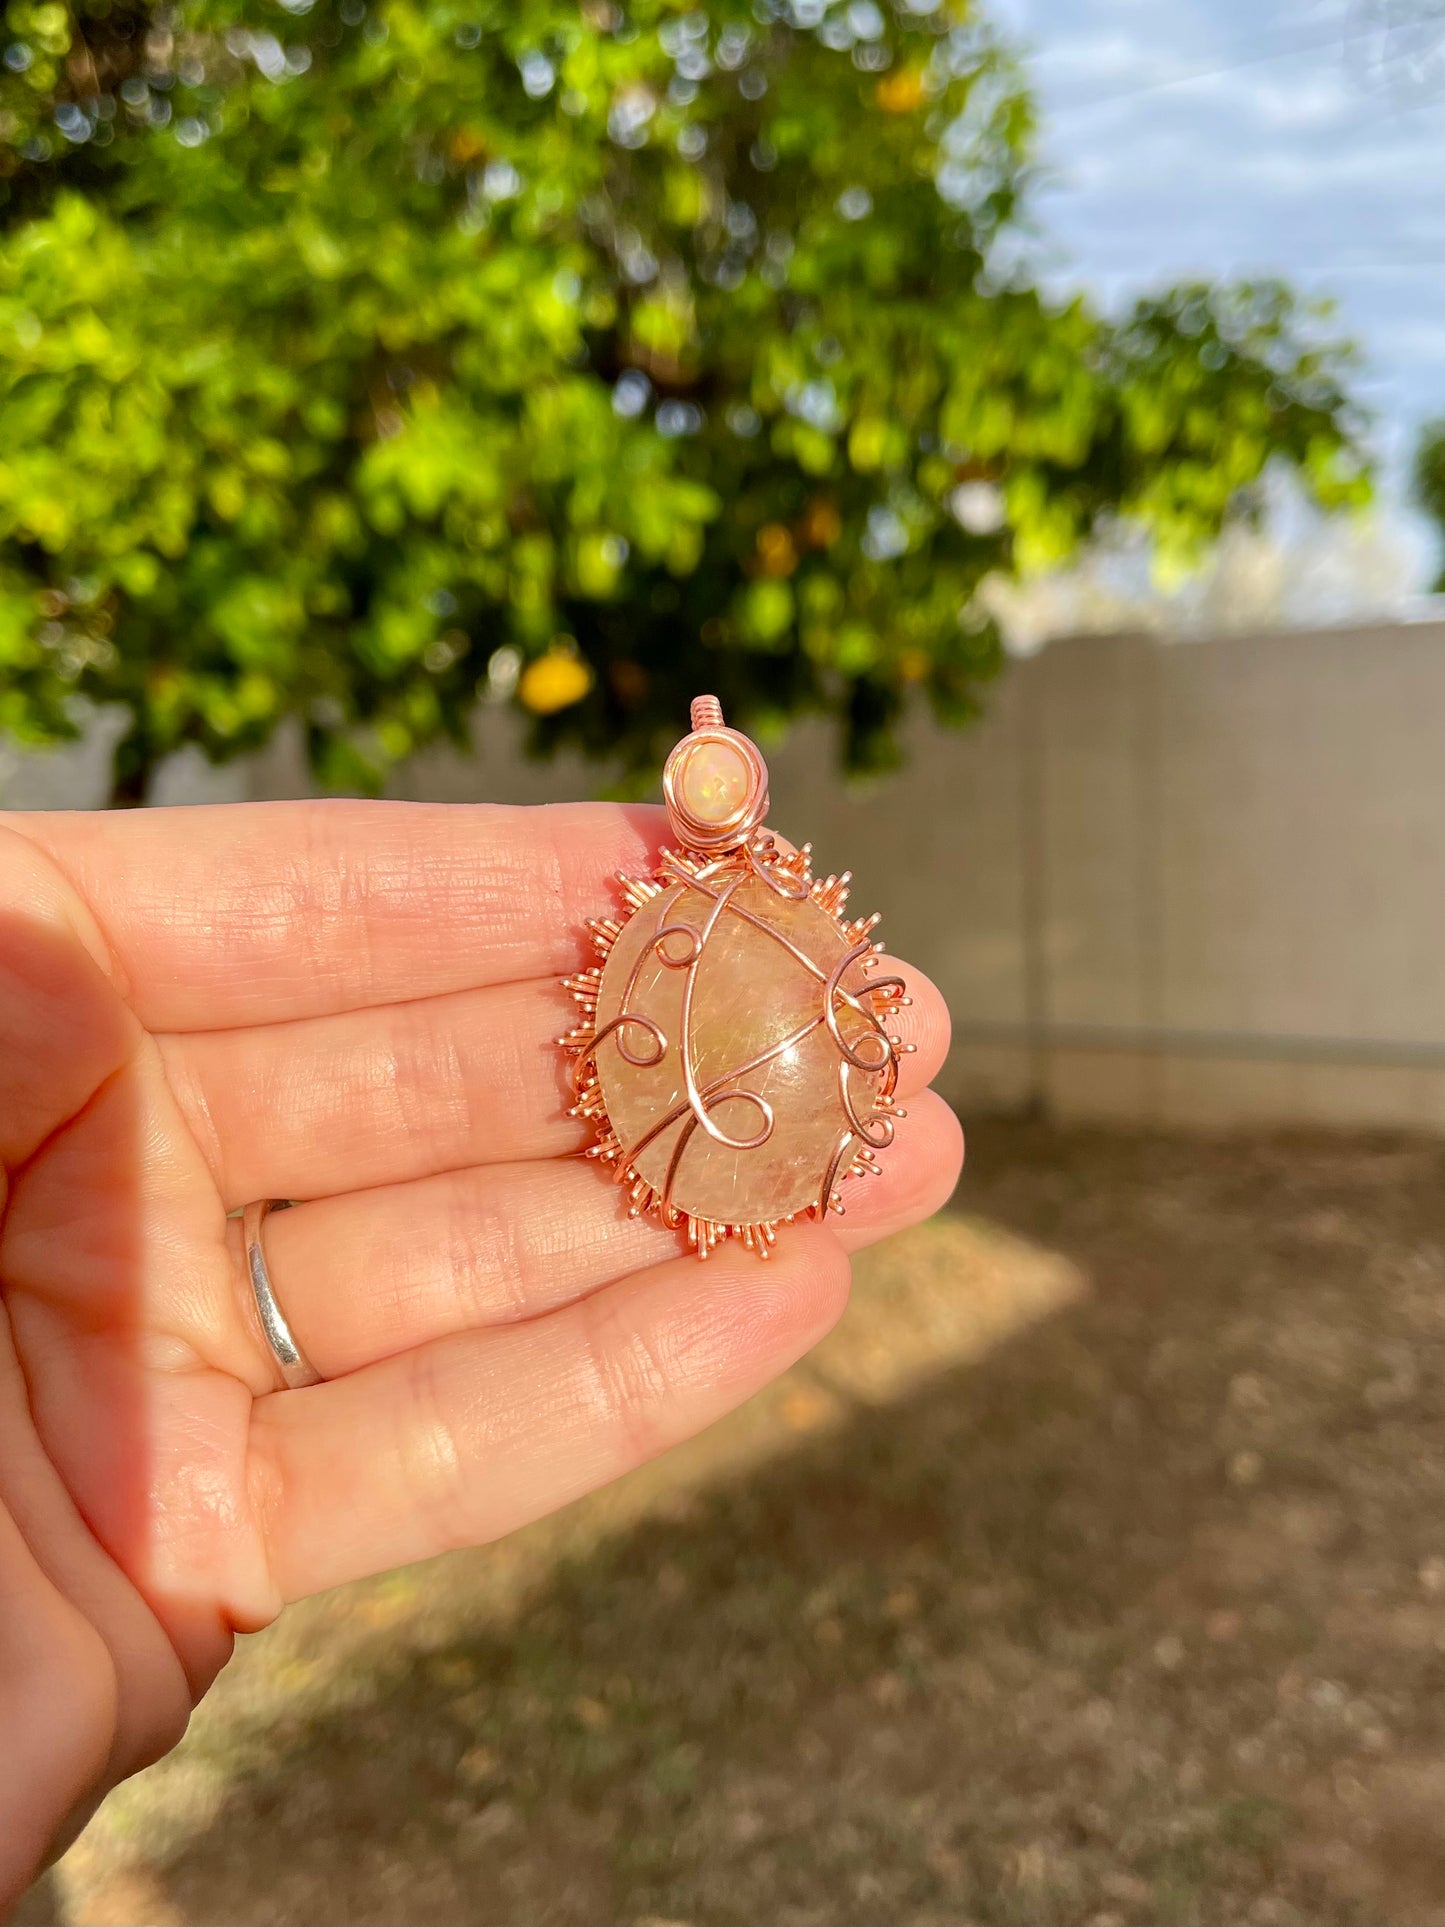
(923, 1024)
(917, 1175)
(768, 1311)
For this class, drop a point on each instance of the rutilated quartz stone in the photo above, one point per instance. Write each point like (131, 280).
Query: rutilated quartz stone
(750, 994)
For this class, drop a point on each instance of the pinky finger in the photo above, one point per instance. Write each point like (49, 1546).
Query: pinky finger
(471, 1436)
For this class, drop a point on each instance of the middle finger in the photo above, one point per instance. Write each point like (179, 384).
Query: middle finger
(324, 1105)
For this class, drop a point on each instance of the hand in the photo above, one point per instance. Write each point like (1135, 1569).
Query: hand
(354, 1005)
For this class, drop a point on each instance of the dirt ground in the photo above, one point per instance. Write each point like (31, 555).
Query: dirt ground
(1094, 1571)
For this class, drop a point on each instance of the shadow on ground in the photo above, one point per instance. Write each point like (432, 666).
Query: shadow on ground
(1139, 1618)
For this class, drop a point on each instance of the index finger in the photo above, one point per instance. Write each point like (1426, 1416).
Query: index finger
(256, 913)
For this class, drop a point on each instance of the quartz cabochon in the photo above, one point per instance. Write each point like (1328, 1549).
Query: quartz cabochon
(750, 994)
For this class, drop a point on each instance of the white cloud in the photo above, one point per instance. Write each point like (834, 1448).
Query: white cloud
(1314, 100)
(1121, 59)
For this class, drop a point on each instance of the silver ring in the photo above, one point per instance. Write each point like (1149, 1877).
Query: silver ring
(296, 1368)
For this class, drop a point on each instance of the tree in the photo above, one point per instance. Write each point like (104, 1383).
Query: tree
(360, 357)
(1430, 483)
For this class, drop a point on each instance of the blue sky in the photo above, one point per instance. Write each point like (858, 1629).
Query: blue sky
(1229, 137)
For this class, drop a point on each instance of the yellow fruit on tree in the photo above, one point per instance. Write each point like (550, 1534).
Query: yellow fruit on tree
(554, 681)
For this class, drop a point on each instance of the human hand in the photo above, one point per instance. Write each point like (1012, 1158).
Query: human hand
(353, 1005)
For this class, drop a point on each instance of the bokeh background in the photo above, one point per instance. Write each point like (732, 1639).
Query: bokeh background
(1021, 414)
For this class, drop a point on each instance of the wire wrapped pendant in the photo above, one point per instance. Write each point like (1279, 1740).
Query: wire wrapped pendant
(734, 1051)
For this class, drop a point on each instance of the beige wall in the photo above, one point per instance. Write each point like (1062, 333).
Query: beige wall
(1200, 883)
(1280, 849)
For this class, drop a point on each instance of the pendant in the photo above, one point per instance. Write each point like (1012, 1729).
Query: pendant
(734, 1051)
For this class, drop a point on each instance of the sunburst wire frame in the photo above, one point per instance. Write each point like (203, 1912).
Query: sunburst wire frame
(790, 874)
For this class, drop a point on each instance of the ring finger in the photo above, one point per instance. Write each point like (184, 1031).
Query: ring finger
(375, 1273)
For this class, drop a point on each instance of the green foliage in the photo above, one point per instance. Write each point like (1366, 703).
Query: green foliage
(1430, 483)
(357, 359)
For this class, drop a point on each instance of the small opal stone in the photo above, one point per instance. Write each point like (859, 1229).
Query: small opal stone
(714, 784)
(754, 1030)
